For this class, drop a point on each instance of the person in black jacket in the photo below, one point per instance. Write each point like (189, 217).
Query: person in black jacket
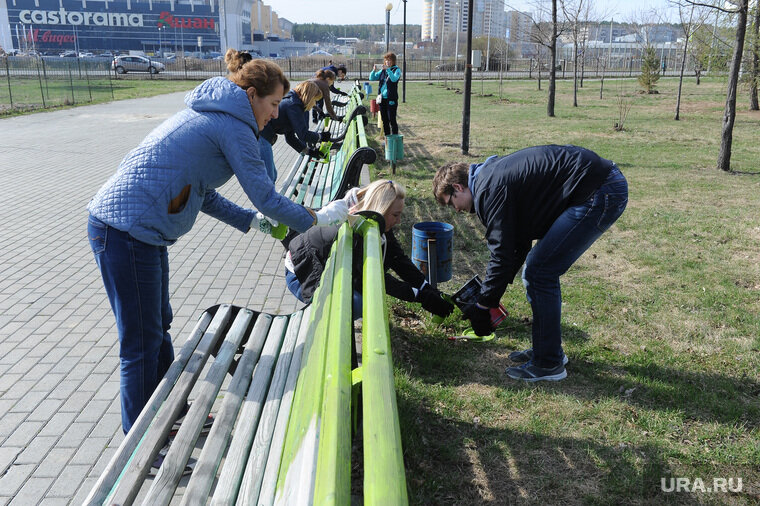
(293, 121)
(564, 196)
(308, 252)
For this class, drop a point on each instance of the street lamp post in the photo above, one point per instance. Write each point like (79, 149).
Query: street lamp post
(459, 29)
(159, 41)
(443, 24)
(403, 84)
(388, 9)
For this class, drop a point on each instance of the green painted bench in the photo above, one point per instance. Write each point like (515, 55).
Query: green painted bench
(282, 430)
(313, 183)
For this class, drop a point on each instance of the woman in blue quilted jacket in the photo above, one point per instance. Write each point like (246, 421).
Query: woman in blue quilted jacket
(155, 197)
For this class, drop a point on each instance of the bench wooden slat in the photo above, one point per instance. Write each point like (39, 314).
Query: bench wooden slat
(257, 457)
(130, 482)
(384, 476)
(229, 480)
(170, 473)
(319, 168)
(202, 480)
(295, 483)
(333, 476)
(272, 468)
(115, 466)
(293, 178)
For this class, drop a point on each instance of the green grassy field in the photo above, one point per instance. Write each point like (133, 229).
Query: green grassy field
(32, 94)
(660, 318)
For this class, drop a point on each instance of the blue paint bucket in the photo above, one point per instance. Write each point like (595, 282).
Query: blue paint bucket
(367, 89)
(443, 233)
(394, 147)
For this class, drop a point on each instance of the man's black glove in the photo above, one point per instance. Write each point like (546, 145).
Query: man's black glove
(480, 319)
(432, 301)
(314, 153)
(324, 136)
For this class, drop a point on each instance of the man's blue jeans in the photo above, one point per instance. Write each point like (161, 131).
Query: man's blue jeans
(570, 235)
(136, 278)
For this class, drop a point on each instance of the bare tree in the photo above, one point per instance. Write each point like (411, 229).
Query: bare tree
(572, 10)
(741, 9)
(545, 34)
(755, 59)
(689, 24)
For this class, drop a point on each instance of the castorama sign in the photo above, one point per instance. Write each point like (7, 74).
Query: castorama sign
(114, 25)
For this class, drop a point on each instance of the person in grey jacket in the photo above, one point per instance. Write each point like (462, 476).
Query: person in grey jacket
(564, 196)
(155, 197)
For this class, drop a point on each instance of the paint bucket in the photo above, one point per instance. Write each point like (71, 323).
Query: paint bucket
(469, 293)
(433, 243)
(394, 147)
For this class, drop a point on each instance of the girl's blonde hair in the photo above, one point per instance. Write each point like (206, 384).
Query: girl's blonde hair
(309, 93)
(261, 75)
(379, 196)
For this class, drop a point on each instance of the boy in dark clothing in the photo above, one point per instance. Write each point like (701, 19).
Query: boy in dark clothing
(564, 196)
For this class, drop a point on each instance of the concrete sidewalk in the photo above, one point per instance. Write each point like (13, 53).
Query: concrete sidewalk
(59, 381)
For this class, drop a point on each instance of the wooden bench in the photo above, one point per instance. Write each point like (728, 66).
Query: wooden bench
(282, 432)
(313, 183)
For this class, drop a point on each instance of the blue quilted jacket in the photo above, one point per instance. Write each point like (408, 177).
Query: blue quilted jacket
(163, 183)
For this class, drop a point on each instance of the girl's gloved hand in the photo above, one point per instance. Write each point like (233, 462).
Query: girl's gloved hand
(333, 213)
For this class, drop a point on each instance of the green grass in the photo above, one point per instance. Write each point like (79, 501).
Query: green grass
(33, 94)
(660, 318)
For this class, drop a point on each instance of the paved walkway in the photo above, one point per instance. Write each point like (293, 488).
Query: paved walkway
(59, 406)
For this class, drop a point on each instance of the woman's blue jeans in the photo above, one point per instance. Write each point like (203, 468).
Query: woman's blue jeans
(295, 288)
(265, 151)
(570, 235)
(136, 278)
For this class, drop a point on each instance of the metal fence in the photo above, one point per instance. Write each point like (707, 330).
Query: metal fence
(44, 82)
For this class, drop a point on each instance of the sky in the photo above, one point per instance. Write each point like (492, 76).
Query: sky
(342, 12)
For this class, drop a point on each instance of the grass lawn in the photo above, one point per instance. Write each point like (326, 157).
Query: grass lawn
(27, 94)
(661, 317)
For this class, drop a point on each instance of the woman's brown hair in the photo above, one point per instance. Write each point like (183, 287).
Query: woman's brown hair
(261, 75)
(390, 56)
(325, 74)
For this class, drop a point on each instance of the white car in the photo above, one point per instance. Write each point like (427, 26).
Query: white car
(124, 64)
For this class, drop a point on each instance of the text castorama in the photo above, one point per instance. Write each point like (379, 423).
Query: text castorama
(64, 17)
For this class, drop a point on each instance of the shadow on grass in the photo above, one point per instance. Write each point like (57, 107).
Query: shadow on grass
(453, 462)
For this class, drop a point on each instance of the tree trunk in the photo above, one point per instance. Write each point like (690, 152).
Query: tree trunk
(753, 104)
(553, 58)
(575, 71)
(683, 65)
(729, 115)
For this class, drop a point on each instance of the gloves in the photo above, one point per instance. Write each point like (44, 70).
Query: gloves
(480, 319)
(339, 118)
(269, 226)
(324, 136)
(433, 302)
(333, 213)
(313, 153)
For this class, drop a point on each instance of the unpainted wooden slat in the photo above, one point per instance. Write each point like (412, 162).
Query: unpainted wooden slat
(163, 486)
(257, 457)
(227, 488)
(115, 466)
(272, 467)
(130, 482)
(202, 480)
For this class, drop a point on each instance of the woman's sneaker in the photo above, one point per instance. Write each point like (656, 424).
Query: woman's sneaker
(527, 355)
(159, 460)
(204, 430)
(531, 372)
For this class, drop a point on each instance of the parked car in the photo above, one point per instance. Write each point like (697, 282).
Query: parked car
(68, 54)
(124, 64)
(86, 54)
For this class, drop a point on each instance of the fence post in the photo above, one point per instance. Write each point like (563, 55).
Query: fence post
(361, 76)
(87, 75)
(71, 82)
(39, 76)
(290, 69)
(44, 73)
(79, 67)
(430, 70)
(110, 83)
(8, 74)
(530, 69)
(184, 61)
